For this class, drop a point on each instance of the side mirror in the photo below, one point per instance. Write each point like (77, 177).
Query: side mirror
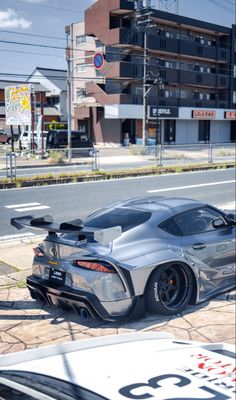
(218, 223)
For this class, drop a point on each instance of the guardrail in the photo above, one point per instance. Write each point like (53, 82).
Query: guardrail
(114, 158)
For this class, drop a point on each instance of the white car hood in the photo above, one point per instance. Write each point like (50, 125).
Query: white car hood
(149, 366)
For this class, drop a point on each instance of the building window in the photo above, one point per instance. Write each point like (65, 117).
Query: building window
(98, 43)
(80, 94)
(81, 39)
(199, 78)
(223, 54)
(81, 67)
(162, 44)
(199, 50)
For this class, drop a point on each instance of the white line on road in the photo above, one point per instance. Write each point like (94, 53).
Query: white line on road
(31, 208)
(16, 236)
(26, 207)
(22, 205)
(189, 186)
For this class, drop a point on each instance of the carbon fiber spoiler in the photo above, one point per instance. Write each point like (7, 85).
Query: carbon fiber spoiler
(46, 223)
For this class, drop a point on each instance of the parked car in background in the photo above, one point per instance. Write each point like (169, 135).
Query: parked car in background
(154, 253)
(35, 142)
(141, 365)
(58, 139)
(5, 138)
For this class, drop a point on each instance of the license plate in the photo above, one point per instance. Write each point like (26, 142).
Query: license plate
(57, 276)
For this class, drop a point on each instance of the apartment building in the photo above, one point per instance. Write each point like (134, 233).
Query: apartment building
(195, 62)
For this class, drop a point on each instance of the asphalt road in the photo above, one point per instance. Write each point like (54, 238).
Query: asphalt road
(70, 201)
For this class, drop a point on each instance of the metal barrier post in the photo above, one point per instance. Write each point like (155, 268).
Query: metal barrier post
(10, 165)
(210, 154)
(160, 156)
(95, 160)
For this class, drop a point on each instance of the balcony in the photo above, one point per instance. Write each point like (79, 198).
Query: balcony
(103, 98)
(188, 48)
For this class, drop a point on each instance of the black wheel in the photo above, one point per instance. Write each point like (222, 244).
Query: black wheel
(169, 289)
(8, 141)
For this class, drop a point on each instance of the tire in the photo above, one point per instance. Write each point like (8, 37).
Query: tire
(8, 141)
(169, 289)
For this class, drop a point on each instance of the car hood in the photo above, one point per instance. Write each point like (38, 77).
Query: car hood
(137, 366)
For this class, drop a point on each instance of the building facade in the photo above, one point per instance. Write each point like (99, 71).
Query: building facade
(195, 62)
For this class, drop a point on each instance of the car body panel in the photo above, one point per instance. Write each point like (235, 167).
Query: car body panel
(133, 250)
(129, 366)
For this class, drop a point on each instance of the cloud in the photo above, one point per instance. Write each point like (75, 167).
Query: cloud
(10, 19)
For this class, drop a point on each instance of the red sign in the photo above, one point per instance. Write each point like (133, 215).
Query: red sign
(203, 114)
(230, 115)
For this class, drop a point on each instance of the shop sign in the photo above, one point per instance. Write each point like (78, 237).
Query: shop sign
(230, 115)
(203, 114)
(163, 112)
(18, 105)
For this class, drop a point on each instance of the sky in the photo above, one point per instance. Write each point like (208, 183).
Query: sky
(26, 24)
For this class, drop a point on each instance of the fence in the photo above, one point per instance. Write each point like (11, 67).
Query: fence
(111, 158)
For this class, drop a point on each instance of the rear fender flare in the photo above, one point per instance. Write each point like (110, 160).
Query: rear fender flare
(195, 289)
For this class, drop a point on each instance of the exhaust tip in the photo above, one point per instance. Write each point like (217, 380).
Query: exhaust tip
(84, 313)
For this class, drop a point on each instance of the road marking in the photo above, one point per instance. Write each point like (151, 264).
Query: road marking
(27, 207)
(31, 208)
(22, 205)
(16, 236)
(189, 186)
(21, 237)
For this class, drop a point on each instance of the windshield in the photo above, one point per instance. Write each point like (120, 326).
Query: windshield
(56, 388)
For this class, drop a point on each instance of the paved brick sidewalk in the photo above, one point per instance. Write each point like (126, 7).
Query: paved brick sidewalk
(25, 323)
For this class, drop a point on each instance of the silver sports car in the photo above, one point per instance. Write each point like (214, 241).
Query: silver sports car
(152, 253)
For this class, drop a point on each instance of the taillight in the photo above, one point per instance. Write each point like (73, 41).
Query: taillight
(95, 266)
(38, 252)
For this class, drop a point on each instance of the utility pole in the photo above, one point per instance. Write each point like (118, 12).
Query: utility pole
(144, 22)
(68, 59)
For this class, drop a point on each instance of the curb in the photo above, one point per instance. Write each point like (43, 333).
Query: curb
(111, 175)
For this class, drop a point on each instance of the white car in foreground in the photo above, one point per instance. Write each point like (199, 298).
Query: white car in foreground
(125, 366)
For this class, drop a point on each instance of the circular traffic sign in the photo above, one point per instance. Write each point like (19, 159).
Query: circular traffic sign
(98, 60)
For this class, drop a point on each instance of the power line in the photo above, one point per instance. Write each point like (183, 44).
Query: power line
(29, 52)
(33, 34)
(32, 44)
(52, 7)
(230, 2)
(223, 7)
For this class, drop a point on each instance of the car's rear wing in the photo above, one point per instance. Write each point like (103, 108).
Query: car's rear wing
(46, 223)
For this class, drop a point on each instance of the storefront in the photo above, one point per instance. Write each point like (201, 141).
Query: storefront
(189, 125)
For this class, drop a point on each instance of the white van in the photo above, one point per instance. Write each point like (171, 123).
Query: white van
(26, 138)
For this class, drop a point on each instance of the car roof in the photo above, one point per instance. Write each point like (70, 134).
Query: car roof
(163, 207)
(112, 364)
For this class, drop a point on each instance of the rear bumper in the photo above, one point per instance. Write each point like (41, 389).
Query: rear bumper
(77, 300)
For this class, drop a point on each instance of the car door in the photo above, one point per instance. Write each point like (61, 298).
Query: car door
(211, 248)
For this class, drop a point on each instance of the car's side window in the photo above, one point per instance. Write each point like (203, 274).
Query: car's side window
(171, 227)
(198, 221)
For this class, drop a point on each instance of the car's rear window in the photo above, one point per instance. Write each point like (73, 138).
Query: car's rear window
(125, 218)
